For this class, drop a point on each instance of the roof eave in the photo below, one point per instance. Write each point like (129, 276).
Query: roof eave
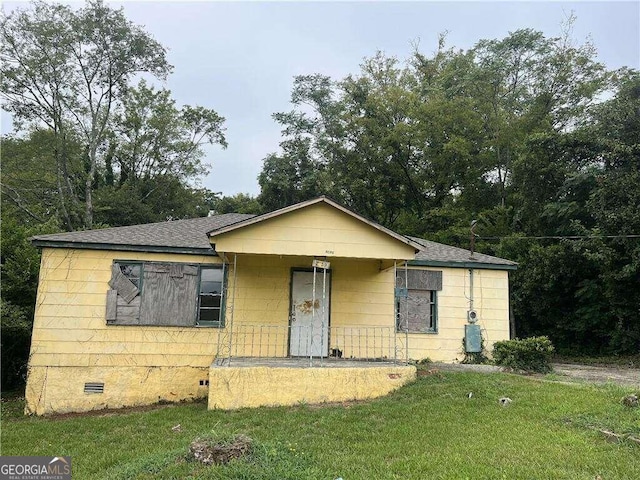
(452, 264)
(123, 247)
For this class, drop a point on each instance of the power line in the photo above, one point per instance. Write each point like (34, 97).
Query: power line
(561, 237)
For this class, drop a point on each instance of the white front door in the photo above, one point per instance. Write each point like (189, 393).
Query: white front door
(309, 314)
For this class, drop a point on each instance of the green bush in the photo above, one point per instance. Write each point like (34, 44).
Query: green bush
(14, 344)
(531, 354)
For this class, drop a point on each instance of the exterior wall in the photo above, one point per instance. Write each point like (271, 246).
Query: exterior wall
(239, 387)
(72, 344)
(61, 389)
(491, 301)
(315, 230)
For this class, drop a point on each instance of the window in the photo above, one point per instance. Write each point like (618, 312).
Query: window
(210, 296)
(133, 272)
(419, 313)
(174, 294)
(417, 300)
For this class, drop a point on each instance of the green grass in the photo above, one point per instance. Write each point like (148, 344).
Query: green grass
(429, 429)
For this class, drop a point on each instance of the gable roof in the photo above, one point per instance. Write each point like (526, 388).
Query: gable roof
(301, 205)
(438, 254)
(192, 236)
(176, 236)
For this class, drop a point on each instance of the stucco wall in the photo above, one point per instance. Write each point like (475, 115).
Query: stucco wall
(61, 389)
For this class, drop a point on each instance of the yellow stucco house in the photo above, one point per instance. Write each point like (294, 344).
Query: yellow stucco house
(308, 303)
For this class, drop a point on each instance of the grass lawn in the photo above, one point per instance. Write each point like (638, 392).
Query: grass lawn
(429, 429)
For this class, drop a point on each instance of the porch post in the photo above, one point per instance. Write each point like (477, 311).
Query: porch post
(233, 305)
(406, 322)
(313, 318)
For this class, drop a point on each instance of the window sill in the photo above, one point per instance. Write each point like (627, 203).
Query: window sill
(208, 325)
(112, 324)
(435, 332)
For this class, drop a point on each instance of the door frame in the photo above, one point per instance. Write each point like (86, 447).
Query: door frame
(307, 269)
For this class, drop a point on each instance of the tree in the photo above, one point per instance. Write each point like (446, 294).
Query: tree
(90, 148)
(66, 70)
(150, 200)
(19, 269)
(29, 176)
(511, 133)
(239, 203)
(614, 204)
(153, 137)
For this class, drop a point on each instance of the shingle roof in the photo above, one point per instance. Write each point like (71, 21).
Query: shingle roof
(191, 236)
(440, 253)
(184, 235)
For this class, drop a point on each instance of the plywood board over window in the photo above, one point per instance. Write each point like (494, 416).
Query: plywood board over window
(420, 279)
(418, 313)
(169, 296)
(152, 293)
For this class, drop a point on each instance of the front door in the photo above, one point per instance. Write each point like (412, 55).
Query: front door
(309, 314)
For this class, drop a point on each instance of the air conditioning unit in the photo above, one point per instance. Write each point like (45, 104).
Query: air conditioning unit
(472, 316)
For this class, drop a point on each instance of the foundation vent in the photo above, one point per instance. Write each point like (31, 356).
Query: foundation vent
(94, 387)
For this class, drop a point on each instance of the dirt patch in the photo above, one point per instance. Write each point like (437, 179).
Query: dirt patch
(209, 452)
(421, 372)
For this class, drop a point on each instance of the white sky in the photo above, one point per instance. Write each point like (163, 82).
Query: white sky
(240, 58)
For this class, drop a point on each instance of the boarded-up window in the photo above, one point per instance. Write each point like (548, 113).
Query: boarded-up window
(417, 312)
(419, 279)
(154, 293)
(169, 296)
(123, 300)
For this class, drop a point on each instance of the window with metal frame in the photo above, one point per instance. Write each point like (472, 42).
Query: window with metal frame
(211, 297)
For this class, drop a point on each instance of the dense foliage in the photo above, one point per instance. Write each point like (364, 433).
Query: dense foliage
(528, 135)
(94, 143)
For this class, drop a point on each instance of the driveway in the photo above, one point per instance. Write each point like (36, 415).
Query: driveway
(622, 376)
(588, 373)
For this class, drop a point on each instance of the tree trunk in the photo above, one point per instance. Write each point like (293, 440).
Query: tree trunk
(88, 192)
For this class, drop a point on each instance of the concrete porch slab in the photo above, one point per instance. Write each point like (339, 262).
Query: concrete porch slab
(273, 382)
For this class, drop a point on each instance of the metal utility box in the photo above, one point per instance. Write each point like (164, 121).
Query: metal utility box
(472, 339)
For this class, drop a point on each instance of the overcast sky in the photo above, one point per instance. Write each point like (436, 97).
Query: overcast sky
(240, 58)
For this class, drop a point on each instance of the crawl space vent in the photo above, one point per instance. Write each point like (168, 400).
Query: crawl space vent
(94, 387)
